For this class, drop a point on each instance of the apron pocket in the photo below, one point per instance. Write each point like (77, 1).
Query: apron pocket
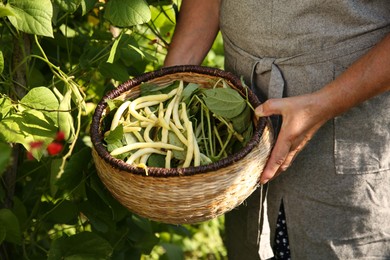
(362, 138)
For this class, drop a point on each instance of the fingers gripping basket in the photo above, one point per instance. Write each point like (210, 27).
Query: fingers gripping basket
(182, 195)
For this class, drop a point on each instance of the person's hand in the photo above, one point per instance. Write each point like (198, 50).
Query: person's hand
(302, 117)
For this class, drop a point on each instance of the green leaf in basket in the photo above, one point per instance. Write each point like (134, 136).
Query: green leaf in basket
(173, 139)
(225, 102)
(156, 160)
(242, 121)
(188, 91)
(113, 103)
(155, 89)
(115, 140)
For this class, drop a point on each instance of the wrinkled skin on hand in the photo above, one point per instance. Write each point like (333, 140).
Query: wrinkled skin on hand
(302, 117)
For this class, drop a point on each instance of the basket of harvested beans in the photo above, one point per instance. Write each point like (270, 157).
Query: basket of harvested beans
(180, 144)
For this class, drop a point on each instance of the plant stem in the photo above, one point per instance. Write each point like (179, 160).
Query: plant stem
(72, 145)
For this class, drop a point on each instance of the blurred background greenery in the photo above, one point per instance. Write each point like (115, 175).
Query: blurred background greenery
(53, 206)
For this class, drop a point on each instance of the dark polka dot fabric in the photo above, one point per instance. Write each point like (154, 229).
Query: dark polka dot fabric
(281, 246)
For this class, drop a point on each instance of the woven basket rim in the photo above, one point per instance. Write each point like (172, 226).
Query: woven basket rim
(97, 136)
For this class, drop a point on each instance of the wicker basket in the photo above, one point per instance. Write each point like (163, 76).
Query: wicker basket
(183, 195)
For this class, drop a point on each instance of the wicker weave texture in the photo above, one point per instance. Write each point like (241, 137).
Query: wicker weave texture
(186, 195)
(187, 199)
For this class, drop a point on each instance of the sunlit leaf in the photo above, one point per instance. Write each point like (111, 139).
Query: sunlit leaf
(69, 6)
(5, 107)
(68, 31)
(32, 16)
(124, 13)
(42, 99)
(26, 127)
(12, 130)
(5, 11)
(113, 49)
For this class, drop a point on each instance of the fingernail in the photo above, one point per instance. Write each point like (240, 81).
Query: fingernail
(259, 111)
(264, 181)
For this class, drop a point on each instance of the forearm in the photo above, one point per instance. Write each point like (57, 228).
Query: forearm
(367, 77)
(304, 115)
(195, 32)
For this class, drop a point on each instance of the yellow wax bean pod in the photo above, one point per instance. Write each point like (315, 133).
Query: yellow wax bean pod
(136, 124)
(168, 111)
(76, 94)
(144, 158)
(183, 114)
(137, 115)
(147, 133)
(150, 114)
(146, 104)
(118, 114)
(158, 97)
(65, 119)
(172, 93)
(175, 111)
(196, 152)
(140, 145)
(143, 166)
(161, 119)
(178, 133)
(168, 159)
(190, 147)
(164, 135)
(142, 152)
(139, 137)
(128, 129)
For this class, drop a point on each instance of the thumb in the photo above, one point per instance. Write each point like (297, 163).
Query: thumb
(268, 108)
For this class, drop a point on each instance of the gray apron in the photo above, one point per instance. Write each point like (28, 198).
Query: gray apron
(336, 194)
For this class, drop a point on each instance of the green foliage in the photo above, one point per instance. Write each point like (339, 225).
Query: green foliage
(216, 100)
(5, 156)
(32, 17)
(121, 14)
(57, 59)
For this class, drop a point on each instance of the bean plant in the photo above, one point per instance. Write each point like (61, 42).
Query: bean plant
(57, 59)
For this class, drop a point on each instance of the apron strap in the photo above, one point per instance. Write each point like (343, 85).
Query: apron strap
(276, 84)
(264, 230)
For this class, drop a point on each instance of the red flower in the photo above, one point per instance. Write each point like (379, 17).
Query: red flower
(36, 144)
(60, 136)
(54, 148)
